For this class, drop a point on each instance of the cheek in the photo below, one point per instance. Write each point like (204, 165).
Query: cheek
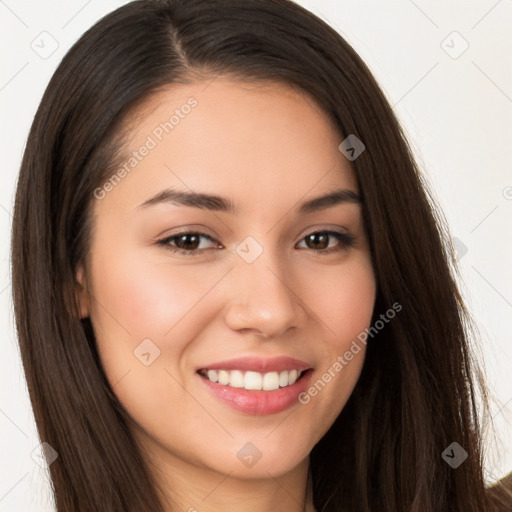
(137, 300)
(147, 298)
(343, 300)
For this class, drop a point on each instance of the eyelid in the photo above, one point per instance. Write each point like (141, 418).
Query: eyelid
(328, 228)
(186, 229)
(165, 240)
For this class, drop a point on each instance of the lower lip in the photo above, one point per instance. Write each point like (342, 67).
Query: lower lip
(259, 402)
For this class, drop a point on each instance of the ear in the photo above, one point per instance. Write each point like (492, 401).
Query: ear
(82, 292)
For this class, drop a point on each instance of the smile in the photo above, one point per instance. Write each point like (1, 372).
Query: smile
(256, 385)
(250, 380)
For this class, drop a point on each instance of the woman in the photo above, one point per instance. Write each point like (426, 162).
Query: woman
(231, 289)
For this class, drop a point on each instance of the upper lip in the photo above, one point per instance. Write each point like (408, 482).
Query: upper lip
(258, 364)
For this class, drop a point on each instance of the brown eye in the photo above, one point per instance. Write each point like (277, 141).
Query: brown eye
(186, 243)
(319, 241)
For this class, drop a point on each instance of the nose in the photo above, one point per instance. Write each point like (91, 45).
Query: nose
(263, 299)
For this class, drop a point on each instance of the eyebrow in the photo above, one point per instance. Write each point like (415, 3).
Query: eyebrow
(222, 204)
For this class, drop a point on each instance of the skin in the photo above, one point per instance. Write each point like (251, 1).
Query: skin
(267, 148)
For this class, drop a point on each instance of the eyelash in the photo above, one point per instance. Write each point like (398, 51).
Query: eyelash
(346, 240)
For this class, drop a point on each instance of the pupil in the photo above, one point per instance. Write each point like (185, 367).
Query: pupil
(315, 237)
(193, 245)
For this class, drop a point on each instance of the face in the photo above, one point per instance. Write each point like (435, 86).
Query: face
(192, 303)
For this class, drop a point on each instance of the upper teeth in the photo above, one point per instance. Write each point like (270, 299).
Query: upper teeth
(253, 380)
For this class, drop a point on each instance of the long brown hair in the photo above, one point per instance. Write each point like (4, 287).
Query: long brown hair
(416, 394)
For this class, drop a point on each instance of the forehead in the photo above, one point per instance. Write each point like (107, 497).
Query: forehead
(236, 137)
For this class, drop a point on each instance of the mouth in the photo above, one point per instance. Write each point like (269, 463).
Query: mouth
(256, 385)
(253, 381)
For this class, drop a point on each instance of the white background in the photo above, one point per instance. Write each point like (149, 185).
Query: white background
(457, 113)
